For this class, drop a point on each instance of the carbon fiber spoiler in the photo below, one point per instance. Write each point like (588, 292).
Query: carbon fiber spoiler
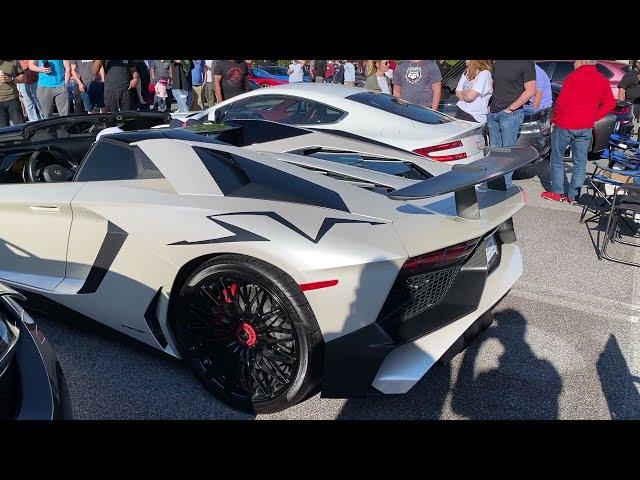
(462, 179)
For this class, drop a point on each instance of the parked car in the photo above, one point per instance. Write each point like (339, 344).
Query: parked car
(280, 73)
(559, 69)
(356, 113)
(265, 79)
(266, 136)
(535, 130)
(272, 278)
(32, 384)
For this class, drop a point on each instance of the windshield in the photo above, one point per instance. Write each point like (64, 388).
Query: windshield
(391, 104)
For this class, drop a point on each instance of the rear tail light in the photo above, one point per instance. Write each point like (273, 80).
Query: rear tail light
(427, 151)
(439, 258)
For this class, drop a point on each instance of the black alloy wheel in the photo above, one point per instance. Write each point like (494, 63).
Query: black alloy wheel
(243, 338)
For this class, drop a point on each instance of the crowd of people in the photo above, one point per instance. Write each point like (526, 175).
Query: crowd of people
(498, 93)
(492, 92)
(36, 89)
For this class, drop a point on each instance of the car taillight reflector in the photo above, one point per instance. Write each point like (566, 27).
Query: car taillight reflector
(305, 287)
(445, 256)
(427, 151)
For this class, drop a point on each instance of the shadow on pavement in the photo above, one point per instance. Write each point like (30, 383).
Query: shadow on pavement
(618, 384)
(425, 401)
(522, 386)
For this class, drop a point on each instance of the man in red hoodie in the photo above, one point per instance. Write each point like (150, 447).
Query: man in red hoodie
(584, 99)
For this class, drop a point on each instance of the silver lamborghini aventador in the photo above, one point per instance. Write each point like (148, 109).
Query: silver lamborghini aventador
(273, 275)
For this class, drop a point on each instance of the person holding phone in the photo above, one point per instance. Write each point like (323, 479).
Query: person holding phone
(11, 73)
(53, 77)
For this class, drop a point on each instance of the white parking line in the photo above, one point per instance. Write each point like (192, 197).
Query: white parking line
(590, 304)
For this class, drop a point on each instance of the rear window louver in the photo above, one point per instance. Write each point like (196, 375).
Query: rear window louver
(357, 182)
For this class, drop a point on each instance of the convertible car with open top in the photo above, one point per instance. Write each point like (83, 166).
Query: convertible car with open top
(273, 275)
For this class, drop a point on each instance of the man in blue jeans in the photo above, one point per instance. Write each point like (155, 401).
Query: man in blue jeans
(585, 98)
(182, 85)
(514, 83)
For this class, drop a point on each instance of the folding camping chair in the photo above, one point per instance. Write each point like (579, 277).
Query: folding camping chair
(621, 206)
(622, 159)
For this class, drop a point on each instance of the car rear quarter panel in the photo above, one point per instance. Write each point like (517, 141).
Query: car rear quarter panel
(166, 231)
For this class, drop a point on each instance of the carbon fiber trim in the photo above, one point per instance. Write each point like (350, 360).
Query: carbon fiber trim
(111, 245)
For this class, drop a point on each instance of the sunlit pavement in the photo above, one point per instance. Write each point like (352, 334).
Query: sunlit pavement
(564, 344)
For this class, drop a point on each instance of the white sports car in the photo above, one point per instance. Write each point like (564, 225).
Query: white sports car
(354, 113)
(267, 136)
(273, 275)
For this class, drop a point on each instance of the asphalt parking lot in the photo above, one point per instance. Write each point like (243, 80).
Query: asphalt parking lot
(565, 344)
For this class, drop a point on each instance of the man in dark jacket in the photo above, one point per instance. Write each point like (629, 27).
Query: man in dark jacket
(144, 99)
(338, 76)
(585, 98)
(321, 69)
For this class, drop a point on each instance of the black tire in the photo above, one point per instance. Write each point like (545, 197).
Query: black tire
(249, 369)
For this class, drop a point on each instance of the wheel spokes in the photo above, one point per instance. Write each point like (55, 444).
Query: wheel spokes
(276, 354)
(241, 336)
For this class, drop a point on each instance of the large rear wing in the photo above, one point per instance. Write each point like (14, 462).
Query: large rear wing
(462, 179)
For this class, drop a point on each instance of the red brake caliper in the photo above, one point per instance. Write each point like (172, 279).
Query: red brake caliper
(231, 293)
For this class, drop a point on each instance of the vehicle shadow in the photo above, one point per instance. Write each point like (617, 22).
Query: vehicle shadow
(367, 302)
(521, 386)
(619, 385)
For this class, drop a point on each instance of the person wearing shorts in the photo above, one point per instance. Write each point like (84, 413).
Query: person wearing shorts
(120, 81)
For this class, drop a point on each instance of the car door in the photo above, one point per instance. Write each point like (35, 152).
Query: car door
(35, 221)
